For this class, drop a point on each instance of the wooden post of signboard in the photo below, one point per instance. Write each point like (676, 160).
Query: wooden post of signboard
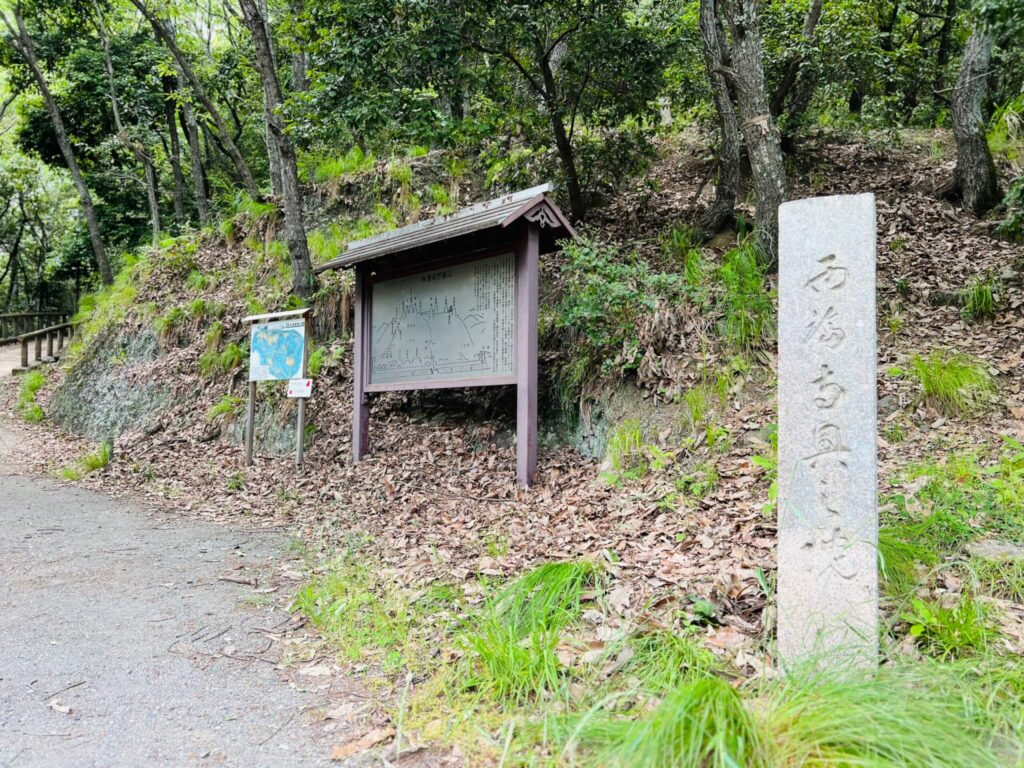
(360, 402)
(300, 425)
(527, 268)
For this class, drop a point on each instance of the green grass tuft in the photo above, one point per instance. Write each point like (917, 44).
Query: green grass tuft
(511, 643)
(98, 459)
(228, 407)
(963, 629)
(979, 298)
(333, 169)
(625, 446)
(1000, 577)
(230, 359)
(746, 305)
(955, 383)
(663, 661)
(702, 724)
(900, 716)
(898, 562)
(365, 615)
(27, 407)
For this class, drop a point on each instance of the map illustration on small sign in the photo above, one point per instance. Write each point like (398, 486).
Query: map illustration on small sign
(455, 322)
(276, 350)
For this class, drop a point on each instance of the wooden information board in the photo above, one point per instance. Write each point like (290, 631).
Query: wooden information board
(452, 302)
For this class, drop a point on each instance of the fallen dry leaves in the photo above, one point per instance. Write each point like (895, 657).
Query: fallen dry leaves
(436, 500)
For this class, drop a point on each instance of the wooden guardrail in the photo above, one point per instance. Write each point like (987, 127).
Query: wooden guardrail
(54, 335)
(14, 324)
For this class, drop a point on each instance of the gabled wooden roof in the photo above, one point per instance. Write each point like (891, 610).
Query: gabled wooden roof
(529, 204)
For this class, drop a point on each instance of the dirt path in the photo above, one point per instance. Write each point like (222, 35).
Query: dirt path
(10, 357)
(121, 646)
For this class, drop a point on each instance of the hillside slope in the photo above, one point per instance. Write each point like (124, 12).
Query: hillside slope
(164, 368)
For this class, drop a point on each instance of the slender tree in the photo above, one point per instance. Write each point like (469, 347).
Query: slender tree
(974, 179)
(760, 134)
(722, 209)
(303, 280)
(174, 150)
(164, 33)
(191, 130)
(132, 143)
(797, 83)
(22, 42)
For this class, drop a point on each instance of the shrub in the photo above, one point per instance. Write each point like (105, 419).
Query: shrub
(955, 383)
(316, 361)
(606, 292)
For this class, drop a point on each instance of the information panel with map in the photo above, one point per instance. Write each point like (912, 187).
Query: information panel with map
(276, 350)
(451, 323)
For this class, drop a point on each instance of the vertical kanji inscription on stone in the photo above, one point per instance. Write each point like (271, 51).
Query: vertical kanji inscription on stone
(828, 519)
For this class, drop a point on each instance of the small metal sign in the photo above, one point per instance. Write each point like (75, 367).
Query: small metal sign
(277, 349)
(278, 352)
(300, 388)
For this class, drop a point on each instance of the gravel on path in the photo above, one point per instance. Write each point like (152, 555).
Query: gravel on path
(120, 645)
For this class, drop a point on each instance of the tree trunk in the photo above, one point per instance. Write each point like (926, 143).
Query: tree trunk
(303, 280)
(175, 152)
(195, 153)
(22, 42)
(273, 150)
(153, 198)
(942, 54)
(759, 131)
(273, 155)
(166, 35)
(792, 71)
(133, 146)
(300, 69)
(975, 176)
(563, 142)
(722, 210)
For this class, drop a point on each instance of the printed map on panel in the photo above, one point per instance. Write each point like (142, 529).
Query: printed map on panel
(276, 349)
(452, 323)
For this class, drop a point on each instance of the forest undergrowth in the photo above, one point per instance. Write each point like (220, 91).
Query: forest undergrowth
(622, 611)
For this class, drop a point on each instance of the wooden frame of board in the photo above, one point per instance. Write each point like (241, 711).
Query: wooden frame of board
(520, 224)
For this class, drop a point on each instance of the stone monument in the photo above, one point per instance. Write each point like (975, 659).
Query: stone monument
(828, 517)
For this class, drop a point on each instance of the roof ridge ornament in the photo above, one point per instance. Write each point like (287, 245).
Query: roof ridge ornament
(542, 215)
